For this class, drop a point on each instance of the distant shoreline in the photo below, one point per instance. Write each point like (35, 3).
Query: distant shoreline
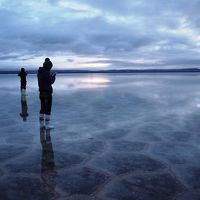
(112, 71)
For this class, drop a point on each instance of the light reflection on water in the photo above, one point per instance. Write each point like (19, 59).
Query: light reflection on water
(83, 81)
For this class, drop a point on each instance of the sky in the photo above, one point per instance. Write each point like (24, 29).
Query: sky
(100, 34)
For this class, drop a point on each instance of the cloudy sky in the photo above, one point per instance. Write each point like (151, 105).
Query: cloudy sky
(94, 34)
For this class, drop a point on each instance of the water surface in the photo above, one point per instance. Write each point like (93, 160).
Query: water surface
(116, 136)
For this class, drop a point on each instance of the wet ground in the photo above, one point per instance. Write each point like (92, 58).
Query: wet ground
(116, 137)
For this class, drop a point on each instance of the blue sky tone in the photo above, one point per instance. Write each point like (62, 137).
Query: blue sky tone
(100, 34)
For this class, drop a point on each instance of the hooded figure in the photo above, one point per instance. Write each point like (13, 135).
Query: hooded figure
(45, 80)
(45, 77)
(22, 74)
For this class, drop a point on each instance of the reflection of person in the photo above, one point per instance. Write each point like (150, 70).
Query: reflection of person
(24, 108)
(22, 74)
(45, 80)
(48, 172)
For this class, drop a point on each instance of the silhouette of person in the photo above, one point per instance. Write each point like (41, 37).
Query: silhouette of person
(22, 74)
(45, 80)
(24, 108)
(48, 172)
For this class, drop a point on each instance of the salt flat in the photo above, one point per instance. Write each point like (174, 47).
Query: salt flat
(116, 137)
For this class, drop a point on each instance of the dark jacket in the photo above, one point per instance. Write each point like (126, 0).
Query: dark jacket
(22, 76)
(45, 80)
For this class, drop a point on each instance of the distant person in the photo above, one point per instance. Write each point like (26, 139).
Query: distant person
(22, 74)
(45, 80)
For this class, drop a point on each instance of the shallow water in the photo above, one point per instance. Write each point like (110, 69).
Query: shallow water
(117, 136)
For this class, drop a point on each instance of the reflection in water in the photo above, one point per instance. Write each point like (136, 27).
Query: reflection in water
(48, 172)
(24, 108)
(198, 105)
(94, 79)
(84, 81)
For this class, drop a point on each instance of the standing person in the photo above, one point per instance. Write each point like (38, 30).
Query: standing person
(45, 80)
(23, 75)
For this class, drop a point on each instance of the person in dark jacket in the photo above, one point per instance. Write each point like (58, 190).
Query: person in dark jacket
(22, 74)
(45, 80)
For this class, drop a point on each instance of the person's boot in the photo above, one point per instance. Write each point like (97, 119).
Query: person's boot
(42, 120)
(47, 122)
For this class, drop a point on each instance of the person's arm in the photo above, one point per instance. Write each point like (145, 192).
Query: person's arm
(53, 77)
(49, 77)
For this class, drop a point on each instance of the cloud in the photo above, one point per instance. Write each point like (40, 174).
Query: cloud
(159, 33)
(70, 60)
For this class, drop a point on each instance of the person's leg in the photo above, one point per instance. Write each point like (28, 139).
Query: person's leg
(49, 104)
(48, 110)
(42, 103)
(42, 110)
(23, 88)
(25, 85)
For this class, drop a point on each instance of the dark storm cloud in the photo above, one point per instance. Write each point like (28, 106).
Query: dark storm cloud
(160, 32)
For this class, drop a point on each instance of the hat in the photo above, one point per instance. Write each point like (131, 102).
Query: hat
(47, 64)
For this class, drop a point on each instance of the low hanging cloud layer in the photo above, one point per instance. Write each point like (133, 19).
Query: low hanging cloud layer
(100, 33)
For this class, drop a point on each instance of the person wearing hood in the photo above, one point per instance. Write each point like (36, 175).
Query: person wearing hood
(22, 74)
(45, 80)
